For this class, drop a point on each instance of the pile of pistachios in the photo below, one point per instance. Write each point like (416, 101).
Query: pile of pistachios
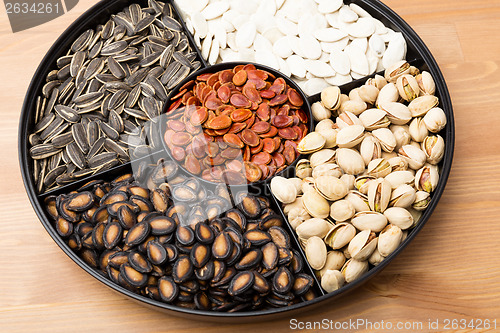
(371, 169)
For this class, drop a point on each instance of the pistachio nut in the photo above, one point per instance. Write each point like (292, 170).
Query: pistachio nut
(330, 188)
(402, 135)
(307, 185)
(398, 178)
(346, 253)
(342, 210)
(362, 183)
(350, 161)
(350, 136)
(325, 124)
(321, 157)
(284, 190)
(414, 71)
(379, 195)
(389, 239)
(319, 112)
(332, 280)
(354, 106)
(402, 196)
(328, 169)
(316, 205)
(297, 182)
(386, 138)
(398, 164)
(368, 93)
(330, 98)
(417, 214)
(418, 130)
(427, 178)
(388, 94)
(297, 216)
(303, 169)
(358, 200)
(435, 120)
(354, 95)
(330, 136)
(370, 149)
(400, 217)
(426, 83)
(400, 68)
(373, 119)
(413, 155)
(362, 245)
(354, 269)
(347, 119)
(421, 105)
(378, 81)
(343, 98)
(348, 180)
(334, 261)
(376, 258)
(369, 221)
(313, 227)
(316, 252)
(422, 200)
(340, 235)
(397, 113)
(379, 168)
(433, 147)
(390, 155)
(408, 87)
(311, 143)
(296, 204)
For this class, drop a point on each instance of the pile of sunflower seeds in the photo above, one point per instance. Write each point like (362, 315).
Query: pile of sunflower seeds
(100, 107)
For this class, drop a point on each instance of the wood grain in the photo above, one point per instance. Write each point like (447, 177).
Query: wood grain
(451, 270)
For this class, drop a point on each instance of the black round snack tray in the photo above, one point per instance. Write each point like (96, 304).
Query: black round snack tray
(417, 55)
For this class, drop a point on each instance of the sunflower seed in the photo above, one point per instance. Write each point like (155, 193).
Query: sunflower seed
(178, 77)
(136, 113)
(80, 137)
(115, 68)
(107, 30)
(159, 88)
(43, 151)
(50, 178)
(182, 59)
(171, 23)
(48, 87)
(82, 42)
(133, 97)
(88, 99)
(54, 125)
(170, 71)
(94, 68)
(67, 113)
(151, 108)
(137, 77)
(96, 148)
(44, 122)
(75, 155)
(109, 131)
(114, 48)
(77, 62)
(62, 140)
(118, 99)
(98, 161)
(112, 146)
(144, 23)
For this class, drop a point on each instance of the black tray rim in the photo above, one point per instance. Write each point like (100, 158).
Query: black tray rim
(376, 5)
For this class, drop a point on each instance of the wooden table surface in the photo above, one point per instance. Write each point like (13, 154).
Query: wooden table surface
(450, 271)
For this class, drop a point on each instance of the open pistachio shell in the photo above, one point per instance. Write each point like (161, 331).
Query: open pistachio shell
(369, 221)
(408, 87)
(374, 118)
(398, 178)
(340, 235)
(403, 196)
(379, 195)
(354, 269)
(328, 169)
(284, 190)
(334, 261)
(362, 245)
(342, 210)
(321, 157)
(347, 119)
(427, 178)
(389, 239)
(319, 112)
(316, 205)
(433, 147)
(311, 143)
(313, 227)
(331, 188)
(332, 280)
(350, 161)
(399, 217)
(358, 200)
